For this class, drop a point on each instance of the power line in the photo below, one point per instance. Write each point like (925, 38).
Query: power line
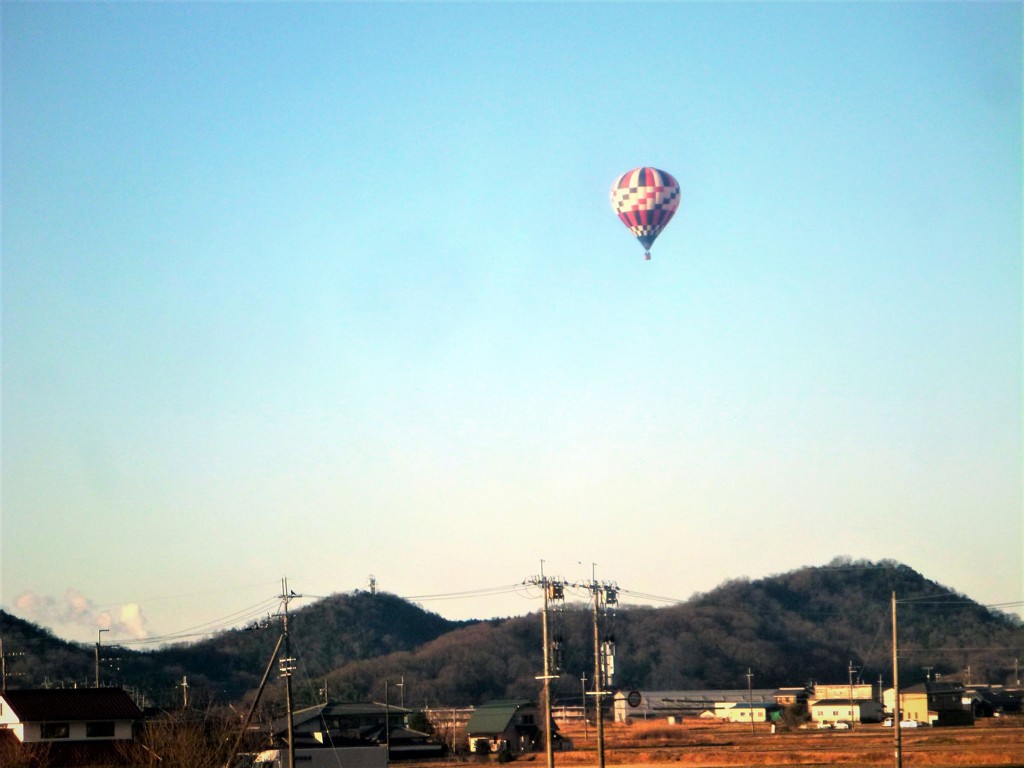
(485, 592)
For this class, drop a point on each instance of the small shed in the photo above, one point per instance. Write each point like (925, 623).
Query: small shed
(511, 726)
(757, 713)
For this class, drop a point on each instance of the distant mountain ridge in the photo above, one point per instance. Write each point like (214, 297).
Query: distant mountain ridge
(807, 624)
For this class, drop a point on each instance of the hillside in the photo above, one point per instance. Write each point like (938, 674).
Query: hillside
(326, 634)
(788, 629)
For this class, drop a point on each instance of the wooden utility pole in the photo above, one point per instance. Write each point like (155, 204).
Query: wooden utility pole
(259, 692)
(287, 666)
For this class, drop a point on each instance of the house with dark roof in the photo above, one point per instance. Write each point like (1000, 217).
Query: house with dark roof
(934, 703)
(76, 726)
(68, 714)
(510, 726)
(358, 725)
(993, 700)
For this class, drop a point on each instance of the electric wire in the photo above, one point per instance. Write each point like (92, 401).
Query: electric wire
(241, 616)
(485, 592)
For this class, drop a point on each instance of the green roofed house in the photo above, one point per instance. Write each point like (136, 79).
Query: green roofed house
(511, 726)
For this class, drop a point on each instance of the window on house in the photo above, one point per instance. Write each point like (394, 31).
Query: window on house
(55, 730)
(100, 730)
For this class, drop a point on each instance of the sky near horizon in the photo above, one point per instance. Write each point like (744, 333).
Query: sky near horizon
(329, 290)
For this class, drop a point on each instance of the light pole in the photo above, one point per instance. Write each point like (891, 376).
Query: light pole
(387, 725)
(99, 637)
(850, 670)
(583, 686)
(897, 715)
(750, 699)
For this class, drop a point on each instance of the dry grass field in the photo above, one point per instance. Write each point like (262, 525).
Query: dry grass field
(699, 744)
(703, 744)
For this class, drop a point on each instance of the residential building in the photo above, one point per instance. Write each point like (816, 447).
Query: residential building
(746, 713)
(512, 726)
(845, 711)
(933, 703)
(993, 700)
(75, 725)
(356, 726)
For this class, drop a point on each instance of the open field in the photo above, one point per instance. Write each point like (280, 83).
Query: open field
(712, 745)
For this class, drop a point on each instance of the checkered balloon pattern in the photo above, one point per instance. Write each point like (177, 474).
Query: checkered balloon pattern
(645, 199)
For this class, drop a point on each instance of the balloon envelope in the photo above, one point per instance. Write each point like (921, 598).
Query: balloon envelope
(645, 199)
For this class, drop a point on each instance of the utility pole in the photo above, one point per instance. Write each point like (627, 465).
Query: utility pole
(604, 594)
(553, 590)
(750, 698)
(549, 748)
(99, 637)
(184, 691)
(598, 687)
(896, 717)
(287, 667)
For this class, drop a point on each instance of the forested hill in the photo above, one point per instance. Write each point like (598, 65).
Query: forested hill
(326, 634)
(806, 625)
(789, 629)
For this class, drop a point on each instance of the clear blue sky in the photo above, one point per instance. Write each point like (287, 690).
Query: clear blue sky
(330, 290)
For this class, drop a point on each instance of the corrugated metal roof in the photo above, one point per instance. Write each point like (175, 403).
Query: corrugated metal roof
(669, 699)
(39, 705)
(837, 702)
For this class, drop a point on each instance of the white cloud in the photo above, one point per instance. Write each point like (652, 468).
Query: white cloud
(76, 613)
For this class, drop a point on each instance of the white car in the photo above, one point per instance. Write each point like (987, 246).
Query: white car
(909, 724)
(842, 726)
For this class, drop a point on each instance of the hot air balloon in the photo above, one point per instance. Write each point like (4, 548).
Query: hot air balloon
(645, 199)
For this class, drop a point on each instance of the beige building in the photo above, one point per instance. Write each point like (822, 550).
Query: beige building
(843, 711)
